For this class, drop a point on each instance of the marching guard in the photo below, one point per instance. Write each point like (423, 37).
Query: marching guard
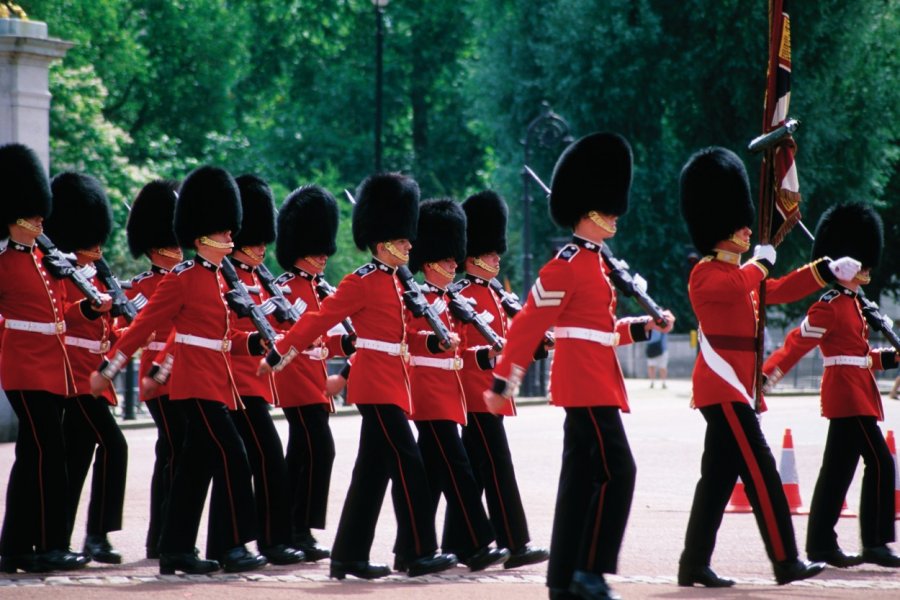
(715, 202)
(589, 192)
(851, 400)
(80, 223)
(384, 222)
(192, 298)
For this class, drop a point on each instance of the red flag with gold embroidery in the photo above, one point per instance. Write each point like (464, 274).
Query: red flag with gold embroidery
(786, 192)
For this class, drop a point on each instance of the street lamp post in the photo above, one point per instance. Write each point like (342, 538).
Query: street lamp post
(548, 130)
(379, 76)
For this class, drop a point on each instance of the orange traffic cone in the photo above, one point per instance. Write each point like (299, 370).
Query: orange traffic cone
(893, 448)
(787, 469)
(739, 503)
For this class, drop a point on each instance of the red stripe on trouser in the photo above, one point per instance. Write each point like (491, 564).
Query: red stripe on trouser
(762, 492)
(265, 479)
(234, 524)
(878, 472)
(487, 450)
(165, 421)
(412, 514)
(312, 462)
(592, 554)
(462, 505)
(103, 470)
(40, 450)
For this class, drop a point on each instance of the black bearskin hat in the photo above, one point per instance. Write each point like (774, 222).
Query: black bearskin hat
(715, 197)
(81, 216)
(258, 222)
(150, 221)
(387, 208)
(593, 173)
(208, 202)
(852, 229)
(26, 189)
(307, 225)
(486, 216)
(442, 233)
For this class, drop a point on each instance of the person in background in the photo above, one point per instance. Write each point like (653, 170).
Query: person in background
(658, 357)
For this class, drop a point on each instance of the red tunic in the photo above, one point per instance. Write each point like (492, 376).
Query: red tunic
(249, 384)
(31, 360)
(574, 291)
(437, 393)
(837, 326)
(192, 298)
(477, 377)
(302, 382)
(96, 328)
(724, 298)
(371, 296)
(146, 284)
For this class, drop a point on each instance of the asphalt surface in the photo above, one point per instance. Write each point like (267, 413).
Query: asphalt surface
(666, 437)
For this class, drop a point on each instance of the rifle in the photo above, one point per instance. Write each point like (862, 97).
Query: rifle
(419, 307)
(325, 289)
(283, 309)
(121, 304)
(462, 310)
(242, 304)
(878, 321)
(62, 268)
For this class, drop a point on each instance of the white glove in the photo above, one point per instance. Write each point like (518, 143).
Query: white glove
(765, 252)
(640, 283)
(845, 268)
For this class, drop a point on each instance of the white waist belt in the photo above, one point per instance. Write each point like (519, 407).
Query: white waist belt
(34, 327)
(317, 353)
(156, 346)
(95, 346)
(448, 364)
(604, 338)
(202, 342)
(863, 362)
(394, 349)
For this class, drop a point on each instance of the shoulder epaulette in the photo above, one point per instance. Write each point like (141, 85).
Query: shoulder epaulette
(568, 252)
(707, 258)
(284, 278)
(183, 266)
(829, 295)
(462, 284)
(4, 244)
(364, 270)
(141, 276)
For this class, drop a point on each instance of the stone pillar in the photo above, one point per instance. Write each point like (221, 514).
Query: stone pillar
(25, 56)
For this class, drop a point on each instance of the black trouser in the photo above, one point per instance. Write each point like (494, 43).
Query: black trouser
(92, 433)
(266, 456)
(735, 446)
(450, 473)
(596, 485)
(309, 457)
(848, 439)
(387, 451)
(171, 426)
(485, 441)
(212, 450)
(36, 506)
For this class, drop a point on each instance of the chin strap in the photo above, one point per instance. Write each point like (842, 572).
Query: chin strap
(442, 271)
(480, 263)
(601, 222)
(734, 239)
(206, 241)
(90, 254)
(319, 264)
(169, 254)
(28, 226)
(253, 255)
(396, 253)
(863, 278)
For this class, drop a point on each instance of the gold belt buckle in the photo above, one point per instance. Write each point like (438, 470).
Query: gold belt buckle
(615, 338)
(869, 361)
(60, 327)
(323, 352)
(404, 351)
(457, 363)
(104, 346)
(226, 345)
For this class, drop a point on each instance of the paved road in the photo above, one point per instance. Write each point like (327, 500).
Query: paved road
(666, 438)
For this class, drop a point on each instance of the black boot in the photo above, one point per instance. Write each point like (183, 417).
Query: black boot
(787, 571)
(282, 554)
(97, 546)
(59, 560)
(360, 568)
(239, 559)
(688, 576)
(434, 563)
(526, 555)
(836, 558)
(591, 586)
(19, 562)
(486, 557)
(304, 540)
(186, 562)
(881, 555)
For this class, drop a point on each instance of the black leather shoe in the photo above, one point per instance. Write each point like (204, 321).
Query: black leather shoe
(526, 555)
(359, 568)
(59, 560)
(486, 557)
(561, 594)
(282, 554)
(239, 559)
(881, 555)
(787, 571)
(590, 586)
(688, 576)
(186, 562)
(836, 558)
(400, 564)
(307, 543)
(21, 562)
(434, 563)
(99, 549)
